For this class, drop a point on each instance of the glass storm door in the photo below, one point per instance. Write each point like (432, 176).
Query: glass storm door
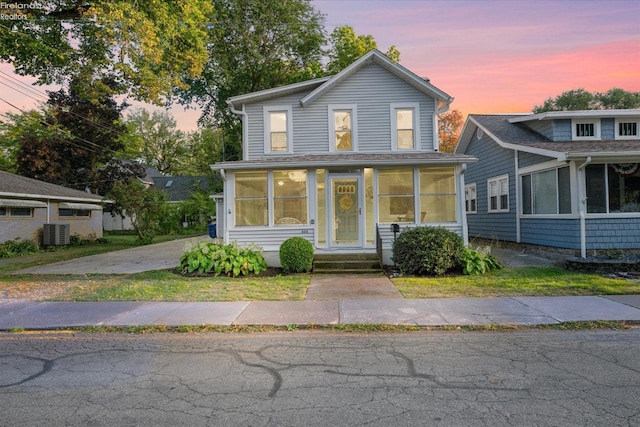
(345, 211)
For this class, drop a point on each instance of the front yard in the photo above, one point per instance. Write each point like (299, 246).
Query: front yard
(168, 286)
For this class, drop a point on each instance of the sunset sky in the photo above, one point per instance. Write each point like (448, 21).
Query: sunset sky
(491, 56)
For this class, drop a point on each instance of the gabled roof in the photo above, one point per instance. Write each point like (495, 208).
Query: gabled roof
(179, 188)
(264, 95)
(320, 86)
(377, 57)
(508, 131)
(12, 185)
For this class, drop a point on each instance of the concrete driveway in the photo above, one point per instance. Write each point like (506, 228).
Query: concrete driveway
(158, 256)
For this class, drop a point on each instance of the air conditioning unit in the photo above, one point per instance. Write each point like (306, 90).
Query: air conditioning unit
(56, 234)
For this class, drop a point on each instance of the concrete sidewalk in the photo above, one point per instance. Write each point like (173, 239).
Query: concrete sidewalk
(422, 312)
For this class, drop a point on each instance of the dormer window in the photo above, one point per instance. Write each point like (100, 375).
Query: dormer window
(342, 128)
(585, 130)
(277, 129)
(404, 129)
(627, 129)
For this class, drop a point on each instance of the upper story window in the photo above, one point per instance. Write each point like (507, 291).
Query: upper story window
(585, 129)
(277, 129)
(342, 128)
(627, 129)
(498, 189)
(404, 128)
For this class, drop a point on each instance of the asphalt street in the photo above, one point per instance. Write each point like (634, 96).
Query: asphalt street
(307, 378)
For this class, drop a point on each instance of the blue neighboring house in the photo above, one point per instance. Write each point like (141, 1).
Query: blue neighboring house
(564, 179)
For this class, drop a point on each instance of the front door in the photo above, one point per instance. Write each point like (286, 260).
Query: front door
(345, 211)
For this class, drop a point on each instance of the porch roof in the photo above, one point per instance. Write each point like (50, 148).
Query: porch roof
(349, 160)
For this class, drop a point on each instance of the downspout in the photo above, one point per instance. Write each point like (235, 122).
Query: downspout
(518, 200)
(245, 131)
(465, 231)
(582, 200)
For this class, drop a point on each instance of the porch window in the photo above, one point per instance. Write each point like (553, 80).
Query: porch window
(342, 127)
(546, 192)
(396, 196)
(471, 198)
(290, 197)
(404, 133)
(613, 188)
(277, 129)
(251, 198)
(437, 195)
(498, 190)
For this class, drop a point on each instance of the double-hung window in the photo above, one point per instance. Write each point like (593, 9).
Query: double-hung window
(498, 191)
(471, 198)
(404, 128)
(342, 128)
(277, 129)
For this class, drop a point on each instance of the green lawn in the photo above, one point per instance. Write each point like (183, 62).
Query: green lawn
(167, 286)
(525, 281)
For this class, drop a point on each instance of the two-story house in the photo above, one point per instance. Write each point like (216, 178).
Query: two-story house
(565, 179)
(338, 160)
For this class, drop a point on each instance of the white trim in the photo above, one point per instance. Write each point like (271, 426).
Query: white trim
(498, 180)
(331, 108)
(619, 120)
(415, 109)
(586, 114)
(596, 129)
(266, 117)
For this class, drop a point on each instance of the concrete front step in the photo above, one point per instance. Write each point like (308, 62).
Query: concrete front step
(346, 263)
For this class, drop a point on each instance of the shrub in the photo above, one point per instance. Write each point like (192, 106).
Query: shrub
(18, 247)
(427, 251)
(479, 261)
(296, 255)
(213, 257)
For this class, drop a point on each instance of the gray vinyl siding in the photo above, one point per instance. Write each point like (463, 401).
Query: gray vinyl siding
(269, 238)
(372, 89)
(613, 233)
(557, 233)
(543, 127)
(528, 159)
(562, 130)
(483, 224)
(607, 129)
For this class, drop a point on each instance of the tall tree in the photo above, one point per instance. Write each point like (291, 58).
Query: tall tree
(581, 99)
(155, 140)
(449, 127)
(148, 46)
(347, 46)
(80, 135)
(254, 45)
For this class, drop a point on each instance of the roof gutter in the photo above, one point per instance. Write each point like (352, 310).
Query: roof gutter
(583, 207)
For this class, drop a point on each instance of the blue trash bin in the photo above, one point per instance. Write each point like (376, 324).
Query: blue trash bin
(212, 230)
